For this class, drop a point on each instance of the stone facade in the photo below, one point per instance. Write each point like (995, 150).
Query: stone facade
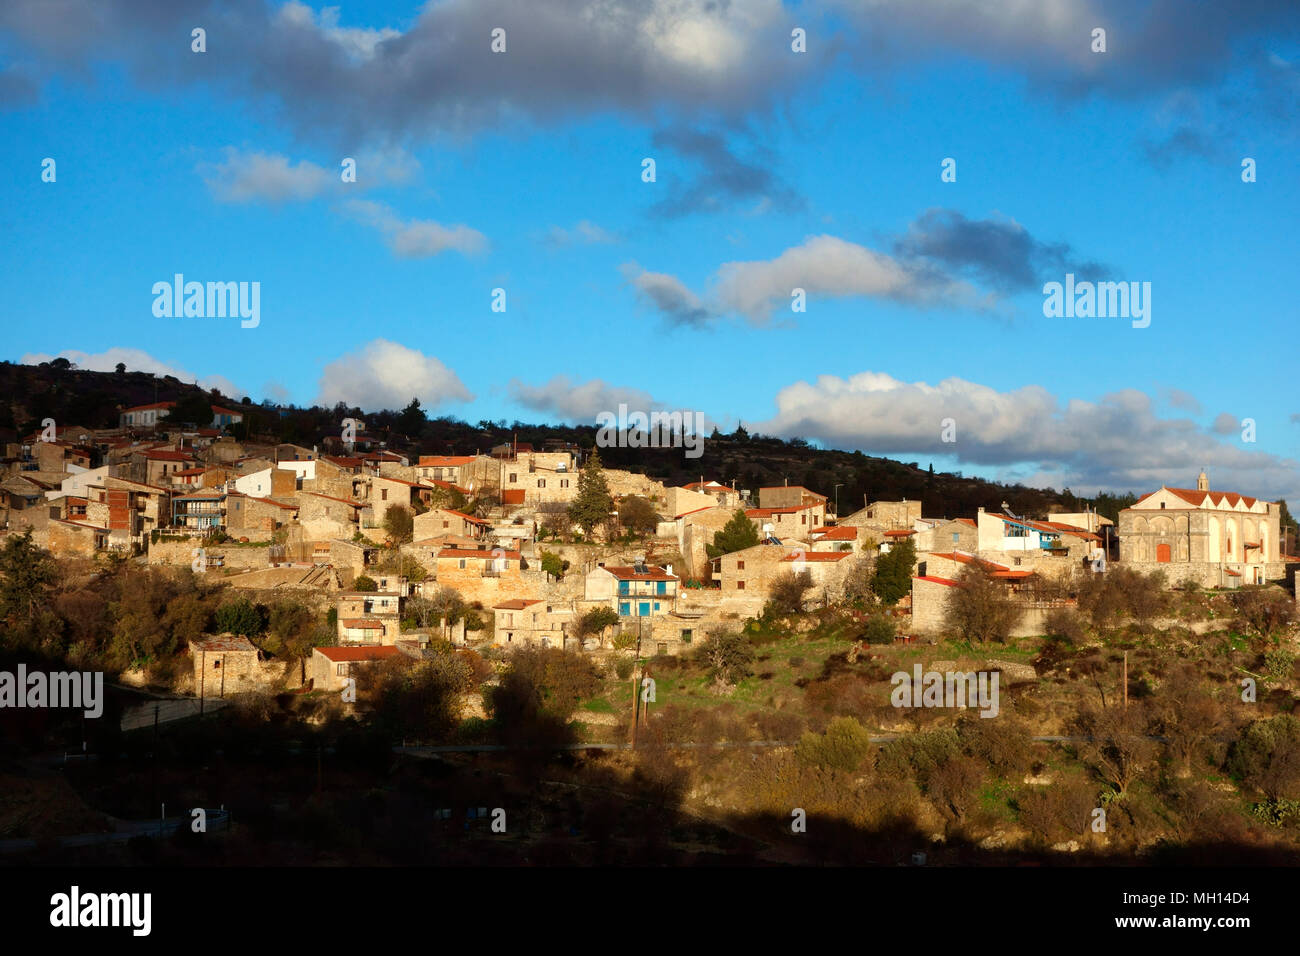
(1212, 538)
(225, 665)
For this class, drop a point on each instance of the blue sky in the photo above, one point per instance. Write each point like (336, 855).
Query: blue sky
(522, 171)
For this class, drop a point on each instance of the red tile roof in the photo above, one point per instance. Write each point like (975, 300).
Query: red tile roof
(1193, 497)
(837, 533)
(145, 408)
(515, 604)
(168, 456)
(962, 557)
(818, 556)
(651, 573)
(898, 533)
(363, 623)
(444, 461)
(340, 654)
(936, 580)
(478, 553)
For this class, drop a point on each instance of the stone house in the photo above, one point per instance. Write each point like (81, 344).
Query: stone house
(330, 667)
(161, 463)
(532, 621)
(224, 665)
(638, 590)
(369, 617)
(798, 521)
(886, 516)
(445, 521)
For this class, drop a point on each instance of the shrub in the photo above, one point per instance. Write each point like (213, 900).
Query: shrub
(623, 667)
(728, 656)
(1267, 757)
(878, 629)
(917, 755)
(979, 608)
(1064, 624)
(843, 746)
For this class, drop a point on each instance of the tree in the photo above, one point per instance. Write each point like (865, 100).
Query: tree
(120, 369)
(398, 523)
(596, 621)
(728, 655)
(893, 575)
(1264, 610)
(736, 535)
(979, 608)
(638, 516)
(411, 421)
(291, 628)
(241, 617)
(591, 506)
(365, 582)
(192, 407)
(27, 574)
(553, 564)
(787, 591)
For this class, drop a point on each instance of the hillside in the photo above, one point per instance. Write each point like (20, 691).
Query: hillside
(69, 395)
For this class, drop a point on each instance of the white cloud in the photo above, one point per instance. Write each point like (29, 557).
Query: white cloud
(416, 238)
(247, 177)
(824, 267)
(585, 232)
(386, 375)
(135, 360)
(1117, 442)
(357, 43)
(272, 177)
(580, 403)
(668, 295)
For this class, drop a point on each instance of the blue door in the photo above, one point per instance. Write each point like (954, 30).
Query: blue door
(644, 609)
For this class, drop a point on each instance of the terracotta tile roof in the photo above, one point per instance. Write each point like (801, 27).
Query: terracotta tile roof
(439, 483)
(818, 556)
(461, 514)
(961, 557)
(933, 579)
(444, 461)
(836, 533)
(793, 488)
(222, 410)
(694, 512)
(478, 553)
(363, 623)
(145, 408)
(168, 456)
(515, 604)
(339, 655)
(651, 573)
(967, 521)
(1193, 497)
(898, 533)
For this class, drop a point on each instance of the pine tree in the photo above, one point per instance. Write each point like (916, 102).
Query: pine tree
(736, 535)
(591, 507)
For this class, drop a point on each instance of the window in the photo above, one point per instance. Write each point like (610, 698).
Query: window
(740, 585)
(446, 523)
(216, 665)
(663, 587)
(564, 482)
(740, 565)
(956, 537)
(1162, 504)
(513, 477)
(663, 648)
(541, 482)
(341, 670)
(1017, 561)
(383, 494)
(462, 562)
(686, 635)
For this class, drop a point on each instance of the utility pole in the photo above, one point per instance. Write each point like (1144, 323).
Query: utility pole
(837, 502)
